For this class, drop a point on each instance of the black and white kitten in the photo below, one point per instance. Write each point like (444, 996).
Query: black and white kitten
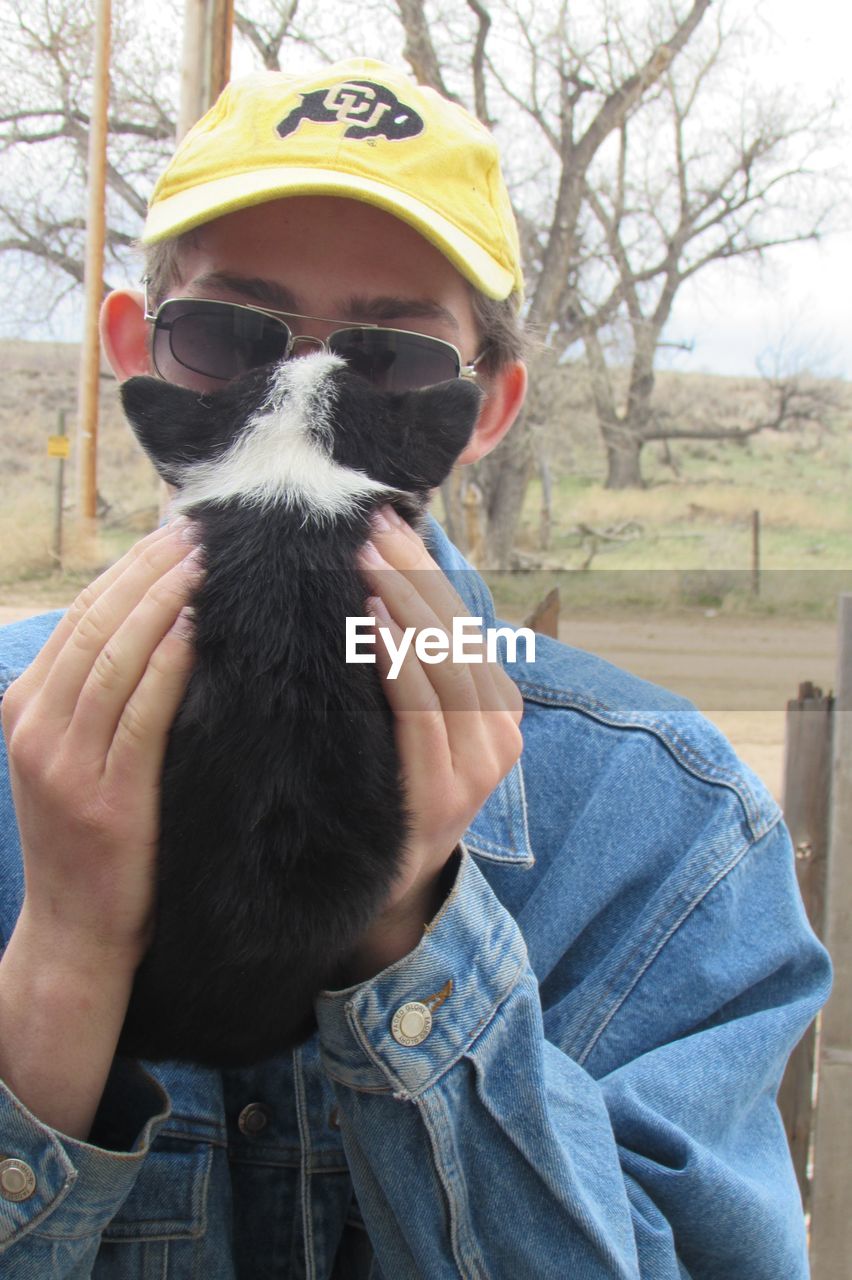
(282, 819)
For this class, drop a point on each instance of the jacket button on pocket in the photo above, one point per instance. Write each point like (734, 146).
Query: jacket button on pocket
(253, 1119)
(411, 1023)
(17, 1180)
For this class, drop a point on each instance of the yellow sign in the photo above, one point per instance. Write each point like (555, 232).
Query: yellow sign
(58, 446)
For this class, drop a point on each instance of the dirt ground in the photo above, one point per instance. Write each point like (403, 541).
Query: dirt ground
(739, 671)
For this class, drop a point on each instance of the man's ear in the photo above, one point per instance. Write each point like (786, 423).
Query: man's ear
(504, 396)
(124, 333)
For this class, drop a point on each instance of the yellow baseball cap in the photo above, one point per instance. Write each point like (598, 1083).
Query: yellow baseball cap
(358, 129)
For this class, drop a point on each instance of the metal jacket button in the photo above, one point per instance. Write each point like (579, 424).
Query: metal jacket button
(411, 1023)
(253, 1119)
(17, 1180)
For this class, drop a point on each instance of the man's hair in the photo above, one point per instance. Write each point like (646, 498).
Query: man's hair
(498, 321)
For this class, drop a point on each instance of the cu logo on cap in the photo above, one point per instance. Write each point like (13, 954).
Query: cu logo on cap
(368, 109)
(348, 101)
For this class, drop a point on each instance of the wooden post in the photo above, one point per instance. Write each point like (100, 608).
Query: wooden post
(206, 67)
(451, 497)
(831, 1207)
(545, 616)
(755, 553)
(90, 353)
(473, 504)
(545, 523)
(807, 783)
(205, 70)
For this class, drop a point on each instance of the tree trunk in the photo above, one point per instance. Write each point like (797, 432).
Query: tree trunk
(545, 523)
(623, 465)
(451, 493)
(504, 476)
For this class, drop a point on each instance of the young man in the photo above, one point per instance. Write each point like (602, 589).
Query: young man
(572, 1069)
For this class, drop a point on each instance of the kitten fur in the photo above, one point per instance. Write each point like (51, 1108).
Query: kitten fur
(282, 816)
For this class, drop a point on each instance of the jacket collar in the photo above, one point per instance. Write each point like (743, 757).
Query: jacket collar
(499, 831)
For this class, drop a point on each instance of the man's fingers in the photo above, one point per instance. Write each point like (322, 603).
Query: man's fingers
(410, 559)
(451, 681)
(35, 674)
(107, 610)
(509, 693)
(419, 723)
(402, 548)
(122, 662)
(139, 743)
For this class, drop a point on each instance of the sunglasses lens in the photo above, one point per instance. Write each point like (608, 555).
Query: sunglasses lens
(215, 339)
(395, 361)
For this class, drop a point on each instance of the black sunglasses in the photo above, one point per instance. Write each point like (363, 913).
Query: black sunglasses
(222, 340)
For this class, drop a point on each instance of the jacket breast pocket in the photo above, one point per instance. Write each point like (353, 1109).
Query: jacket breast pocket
(169, 1197)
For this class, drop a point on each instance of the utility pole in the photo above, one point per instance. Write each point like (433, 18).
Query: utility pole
(205, 70)
(207, 31)
(90, 353)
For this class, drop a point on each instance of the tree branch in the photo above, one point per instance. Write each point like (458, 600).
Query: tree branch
(478, 61)
(268, 43)
(419, 51)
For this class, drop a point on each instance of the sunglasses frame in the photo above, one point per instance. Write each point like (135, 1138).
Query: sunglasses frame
(468, 371)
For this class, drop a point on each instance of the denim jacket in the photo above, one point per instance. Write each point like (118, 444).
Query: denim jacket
(616, 979)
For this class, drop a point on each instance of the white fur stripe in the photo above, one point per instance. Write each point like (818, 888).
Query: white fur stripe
(283, 455)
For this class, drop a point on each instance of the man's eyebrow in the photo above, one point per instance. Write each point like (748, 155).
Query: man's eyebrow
(260, 290)
(394, 308)
(371, 310)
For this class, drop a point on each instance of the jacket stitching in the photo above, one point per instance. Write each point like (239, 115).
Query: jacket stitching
(658, 948)
(684, 752)
(466, 1254)
(305, 1154)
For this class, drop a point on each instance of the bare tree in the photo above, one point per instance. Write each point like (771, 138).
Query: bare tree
(788, 397)
(568, 92)
(45, 87)
(735, 176)
(657, 159)
(44, 123)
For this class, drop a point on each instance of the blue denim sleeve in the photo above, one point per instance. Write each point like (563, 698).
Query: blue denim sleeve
(55, 1230)
(79, 1186)
(486, 1149)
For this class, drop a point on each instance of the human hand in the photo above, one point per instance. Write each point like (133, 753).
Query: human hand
(86, 727)
(456, 728)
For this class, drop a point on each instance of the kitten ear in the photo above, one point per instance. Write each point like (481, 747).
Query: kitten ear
(168, 421)
(442, 421)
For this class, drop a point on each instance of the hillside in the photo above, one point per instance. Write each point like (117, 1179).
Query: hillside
(694, 514)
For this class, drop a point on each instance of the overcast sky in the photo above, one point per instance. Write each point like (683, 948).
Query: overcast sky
(803, 296)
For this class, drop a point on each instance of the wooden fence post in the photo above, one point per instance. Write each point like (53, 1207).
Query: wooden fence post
(807, 785)
(545, 616)
(831, 1205)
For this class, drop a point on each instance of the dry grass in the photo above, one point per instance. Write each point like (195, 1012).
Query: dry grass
(39, 381)
(710, 503)
(699, 518)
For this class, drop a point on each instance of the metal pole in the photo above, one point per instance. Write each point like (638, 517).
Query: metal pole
(90, 354)
(59, 498)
